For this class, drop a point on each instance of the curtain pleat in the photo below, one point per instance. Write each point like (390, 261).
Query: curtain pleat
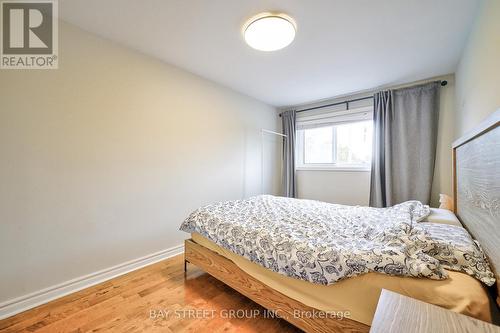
(288, 119)
(404, 144)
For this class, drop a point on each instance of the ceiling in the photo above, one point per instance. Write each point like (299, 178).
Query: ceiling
(341, 46)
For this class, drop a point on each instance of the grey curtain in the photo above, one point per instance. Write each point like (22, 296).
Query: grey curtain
(288, 122)
(404, 144)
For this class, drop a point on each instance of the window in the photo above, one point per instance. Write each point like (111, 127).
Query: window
(342, 142)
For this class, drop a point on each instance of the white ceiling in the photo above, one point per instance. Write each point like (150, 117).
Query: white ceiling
(341, 46)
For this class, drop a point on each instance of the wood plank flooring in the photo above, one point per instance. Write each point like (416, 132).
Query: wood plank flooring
(157, 298)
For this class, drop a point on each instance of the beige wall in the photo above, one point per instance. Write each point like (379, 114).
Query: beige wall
(478, 73)
(102, 159)
(353, 188)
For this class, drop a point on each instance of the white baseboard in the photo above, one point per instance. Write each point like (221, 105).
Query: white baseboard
(23, 303)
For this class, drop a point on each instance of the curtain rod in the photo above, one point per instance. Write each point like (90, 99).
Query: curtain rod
(443, 83)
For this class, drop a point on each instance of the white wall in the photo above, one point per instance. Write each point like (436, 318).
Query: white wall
(102, 159)
(341, 187)
(353, 188)
(478, 73)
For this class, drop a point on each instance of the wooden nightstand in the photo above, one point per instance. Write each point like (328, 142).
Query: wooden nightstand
(398, 313)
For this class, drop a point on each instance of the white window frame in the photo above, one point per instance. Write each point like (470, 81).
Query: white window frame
(337, 118)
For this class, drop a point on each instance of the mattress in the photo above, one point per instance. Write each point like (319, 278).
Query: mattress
(358, 296)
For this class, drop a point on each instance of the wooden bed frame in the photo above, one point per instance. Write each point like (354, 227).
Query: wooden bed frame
(228, 272)
(476, 188)
(487, 232)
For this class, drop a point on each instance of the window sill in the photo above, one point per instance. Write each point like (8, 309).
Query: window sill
(329, 168)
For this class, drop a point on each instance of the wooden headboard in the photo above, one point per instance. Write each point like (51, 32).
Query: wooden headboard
(476, 187)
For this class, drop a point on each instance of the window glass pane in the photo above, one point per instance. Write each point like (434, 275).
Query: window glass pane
(318, 145)
(354, 143)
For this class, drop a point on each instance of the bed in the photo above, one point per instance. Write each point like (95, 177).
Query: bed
(350, 303)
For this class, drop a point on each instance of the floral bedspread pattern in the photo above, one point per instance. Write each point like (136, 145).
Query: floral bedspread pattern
(324, 243)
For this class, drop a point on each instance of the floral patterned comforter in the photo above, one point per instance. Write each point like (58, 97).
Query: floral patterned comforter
(324, 243)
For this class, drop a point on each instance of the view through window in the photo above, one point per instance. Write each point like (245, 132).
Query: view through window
(344, 145)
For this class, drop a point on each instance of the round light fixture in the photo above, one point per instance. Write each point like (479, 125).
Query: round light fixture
(269, 32)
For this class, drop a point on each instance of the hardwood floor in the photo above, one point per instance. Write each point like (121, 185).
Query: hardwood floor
(157, 298)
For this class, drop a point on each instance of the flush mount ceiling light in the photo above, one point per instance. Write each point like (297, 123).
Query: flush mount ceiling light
(269, 32)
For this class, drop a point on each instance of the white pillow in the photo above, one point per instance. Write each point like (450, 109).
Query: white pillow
(442, 216)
